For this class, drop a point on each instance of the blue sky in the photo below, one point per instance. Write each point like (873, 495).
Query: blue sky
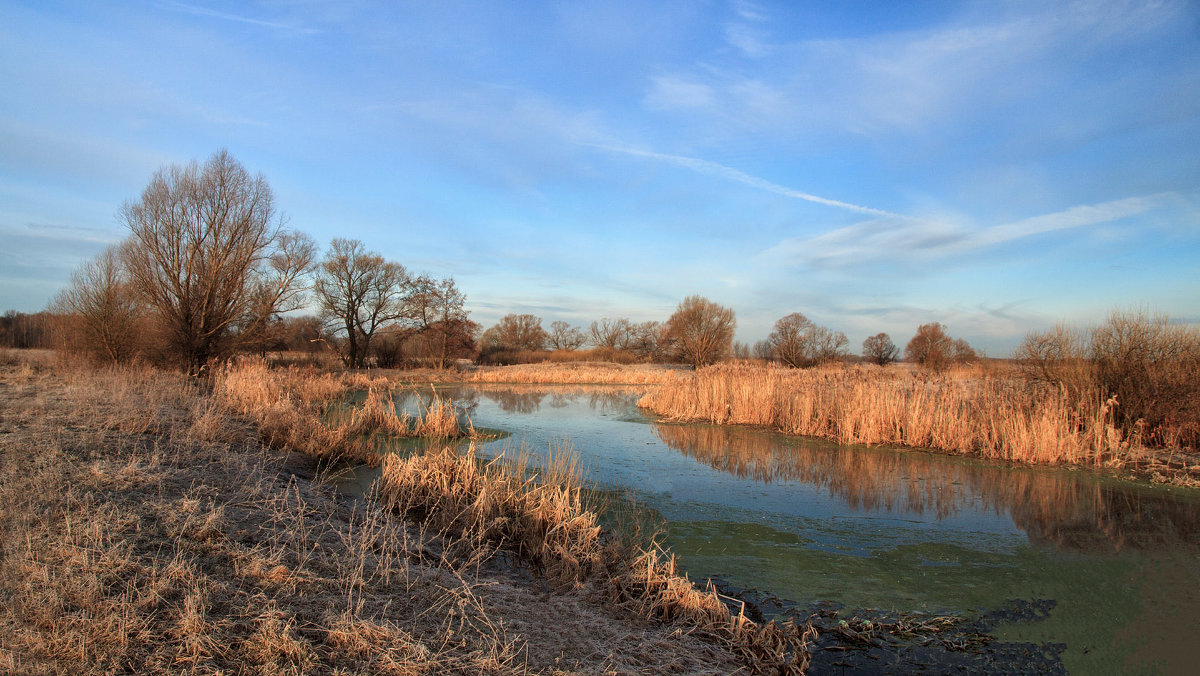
(995, 166)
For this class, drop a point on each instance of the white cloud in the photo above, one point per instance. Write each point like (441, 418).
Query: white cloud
(721, 171)
(920, 240)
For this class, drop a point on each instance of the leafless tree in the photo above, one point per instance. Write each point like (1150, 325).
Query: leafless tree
(441, 330)
(650, 340)
(99, 311)
(359, 292)
(934, 349)
(701, 330)
(518, 332)
(613, 334)
(563, 336)
(279, 288)
(1058, 357)
(879, 349)
(201, 242)
(764, 350)
(963, 352)
(22, 330)
(798, 342)
(930, 347)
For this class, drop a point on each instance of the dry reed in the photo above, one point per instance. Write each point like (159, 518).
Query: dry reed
(986, 416)
(294, 408)
(184, 545)
(574, 373)
(537, 511)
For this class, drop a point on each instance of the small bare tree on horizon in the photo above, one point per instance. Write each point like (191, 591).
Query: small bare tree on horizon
(563, 336)
(98, 313)
(701, 331)
(359, 292)
(798, 342)
(934, 349)
(879, 349)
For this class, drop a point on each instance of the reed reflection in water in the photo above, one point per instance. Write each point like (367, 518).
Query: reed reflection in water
(1057, 508)
(529, 399)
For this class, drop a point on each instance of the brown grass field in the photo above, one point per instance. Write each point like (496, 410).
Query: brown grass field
(973, 411)
(148, 525)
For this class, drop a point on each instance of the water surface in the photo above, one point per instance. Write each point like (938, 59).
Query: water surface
(887, 529)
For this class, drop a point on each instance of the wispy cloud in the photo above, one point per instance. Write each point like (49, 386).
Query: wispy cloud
(226, 16)
(890, 238)
(721, 171)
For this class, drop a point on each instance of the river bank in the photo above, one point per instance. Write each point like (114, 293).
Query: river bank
(147, 529)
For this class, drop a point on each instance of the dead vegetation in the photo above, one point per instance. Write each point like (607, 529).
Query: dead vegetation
(148, 528)
(303, 410)
(970, 411)
(574, 373)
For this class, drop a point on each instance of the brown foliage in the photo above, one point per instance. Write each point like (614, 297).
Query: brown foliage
(934, 349)
(1148, 366)
(798, 342)
(99, 313)
(701, 331)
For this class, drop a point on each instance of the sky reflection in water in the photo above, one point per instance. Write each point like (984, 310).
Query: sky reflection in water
(873, 527)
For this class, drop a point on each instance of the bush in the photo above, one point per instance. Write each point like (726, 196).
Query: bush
(1149, 365)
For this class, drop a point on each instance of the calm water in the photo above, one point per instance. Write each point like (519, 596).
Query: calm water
(891, 530)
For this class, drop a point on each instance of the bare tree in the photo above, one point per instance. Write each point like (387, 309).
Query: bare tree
(359, 292)
(880, 349)
(649, 340)
(764, 350)
(798, 342)
(201, 239)
(701, 330)
(1059, 357)
(99, 311)
(963, 352)
(441, 329)
(563, 336)
(519, 332)
(278, 288)
(934, 349)
(930, 347)
(613, 334)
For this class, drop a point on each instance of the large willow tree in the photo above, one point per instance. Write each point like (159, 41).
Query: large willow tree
(206, 254)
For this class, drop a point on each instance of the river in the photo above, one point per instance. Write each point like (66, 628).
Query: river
(1113, 566)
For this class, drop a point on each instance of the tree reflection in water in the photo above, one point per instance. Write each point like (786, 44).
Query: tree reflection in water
(1059, 508)
(529, 399)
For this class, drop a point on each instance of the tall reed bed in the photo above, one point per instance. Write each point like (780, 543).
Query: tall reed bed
(574, 373)
(290, 407)
(985, 415)
(538, 512)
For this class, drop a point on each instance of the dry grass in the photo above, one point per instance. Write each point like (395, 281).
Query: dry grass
(145, 528)
(152, 549)
(575, 373)
(537, 512)
(302, 410)
(977, 412)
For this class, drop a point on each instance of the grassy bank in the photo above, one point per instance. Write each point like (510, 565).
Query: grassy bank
(970, 412)
(151, 526)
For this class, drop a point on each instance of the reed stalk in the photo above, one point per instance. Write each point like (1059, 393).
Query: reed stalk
(982, 415)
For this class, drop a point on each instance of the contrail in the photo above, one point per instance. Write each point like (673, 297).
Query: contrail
(714, 169)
